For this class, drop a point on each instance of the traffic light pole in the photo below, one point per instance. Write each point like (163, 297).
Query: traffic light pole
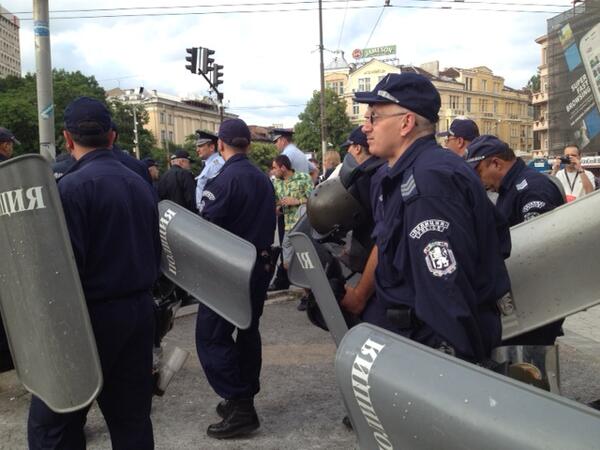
(201, 62)
(219, 96)
(43, 64)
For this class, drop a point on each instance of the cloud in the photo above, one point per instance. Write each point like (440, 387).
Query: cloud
(270, 58)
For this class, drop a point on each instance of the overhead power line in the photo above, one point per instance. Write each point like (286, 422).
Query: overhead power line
(375, 26)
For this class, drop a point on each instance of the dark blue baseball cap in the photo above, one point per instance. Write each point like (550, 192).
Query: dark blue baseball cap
(204, 137)
(356, 137)
(87, 116)
(7, 136)
(410, 90)
(235, 132)
(463, 128)
(483, 147)
(149, 162)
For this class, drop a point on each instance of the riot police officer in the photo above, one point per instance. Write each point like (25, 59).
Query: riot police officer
(523, 193)
(112, 219)
(241, 200)
(437, 268)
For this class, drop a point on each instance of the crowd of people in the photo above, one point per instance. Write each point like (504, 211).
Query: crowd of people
(436, 243)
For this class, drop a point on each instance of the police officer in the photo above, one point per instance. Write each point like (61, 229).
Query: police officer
(241, 200)
(7, 141)
(178, 184)
(206, 148)
(460, 134)
(112, 220)
(283, 140)
(523, 193)
(438, 264)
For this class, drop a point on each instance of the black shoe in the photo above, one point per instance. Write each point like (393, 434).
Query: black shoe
(347, 423)
(241, 420)
(224, 408)
(303, 303)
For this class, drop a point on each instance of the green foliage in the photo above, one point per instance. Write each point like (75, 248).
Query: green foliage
(308, 130)
(18, 104)
(534, 83)
(262, 154)
(122, 115)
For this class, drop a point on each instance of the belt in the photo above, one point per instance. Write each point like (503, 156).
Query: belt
(403, 317)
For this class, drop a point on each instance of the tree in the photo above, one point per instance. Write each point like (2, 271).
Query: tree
(308, 130)
(18, 105)
(534, 83)
(262, 154)
(122, 116)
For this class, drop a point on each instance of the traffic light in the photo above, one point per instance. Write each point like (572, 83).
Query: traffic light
(207, 60)
(192, 59)
(217, 77)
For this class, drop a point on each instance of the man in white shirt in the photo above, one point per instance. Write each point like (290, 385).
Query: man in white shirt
(576, 181)
(283, 141)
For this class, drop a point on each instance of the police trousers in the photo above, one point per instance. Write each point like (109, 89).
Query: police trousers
(124, 330)
(232, 366)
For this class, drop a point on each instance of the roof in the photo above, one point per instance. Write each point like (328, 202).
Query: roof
(338, 62)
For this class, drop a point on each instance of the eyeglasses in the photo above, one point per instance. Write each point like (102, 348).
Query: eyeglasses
(373, 118)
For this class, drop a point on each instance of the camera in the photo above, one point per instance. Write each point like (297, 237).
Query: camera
(565, 159)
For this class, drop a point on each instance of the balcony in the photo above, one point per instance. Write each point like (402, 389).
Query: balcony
(540, 124)
(539, 97)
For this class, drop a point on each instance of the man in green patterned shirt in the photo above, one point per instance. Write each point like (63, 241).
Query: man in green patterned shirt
(292, 190)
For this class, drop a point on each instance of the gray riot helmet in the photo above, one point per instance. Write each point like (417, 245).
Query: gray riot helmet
(332, 209)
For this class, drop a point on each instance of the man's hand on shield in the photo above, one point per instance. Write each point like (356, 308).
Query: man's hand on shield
(354, 300)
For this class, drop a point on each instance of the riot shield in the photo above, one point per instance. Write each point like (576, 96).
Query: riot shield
(554, 266)
(310, 263)
(43, 306)
(210, 263)
(401, 394)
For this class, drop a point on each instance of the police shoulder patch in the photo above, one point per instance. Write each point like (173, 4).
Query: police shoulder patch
(408, 188)
(439, 258)
(536, 204)
(428, 225)
(530, 215)
(521, 185)
(209, 195)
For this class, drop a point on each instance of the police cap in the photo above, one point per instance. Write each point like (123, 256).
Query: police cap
(483, 147)
(149, 162)
(7, 136)
(235, 132)
(410, 90)
(204, 137)
(357, 137)
(180, 154)
(463, 128)
(87, 116)
(276, 133)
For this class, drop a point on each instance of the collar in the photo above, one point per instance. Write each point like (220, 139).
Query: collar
(410, 155)
(510, 179)
(238, 157)
(100, 153)
(212, 157)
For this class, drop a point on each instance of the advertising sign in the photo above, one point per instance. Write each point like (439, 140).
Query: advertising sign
(386, 50)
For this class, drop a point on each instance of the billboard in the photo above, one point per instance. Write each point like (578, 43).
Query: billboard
(574, 78)
(387, 50)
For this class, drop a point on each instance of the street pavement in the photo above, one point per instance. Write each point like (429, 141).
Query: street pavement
(299, 404)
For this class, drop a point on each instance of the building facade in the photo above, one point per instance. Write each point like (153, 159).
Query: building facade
(475, 93)
(539, 100)
(172, 119)
(10, 52)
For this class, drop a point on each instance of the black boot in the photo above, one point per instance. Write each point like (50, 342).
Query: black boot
(224, 408)
(241, 420)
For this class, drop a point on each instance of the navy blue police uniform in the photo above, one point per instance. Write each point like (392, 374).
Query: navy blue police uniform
(240, 199)
(178, 184)
(112, 219)
(524, 194)
(132, 163)
(441, 246)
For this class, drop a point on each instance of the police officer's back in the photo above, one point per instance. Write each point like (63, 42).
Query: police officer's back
(178, 184)
(112, 220)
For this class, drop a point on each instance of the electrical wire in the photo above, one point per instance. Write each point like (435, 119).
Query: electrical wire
(375, 26)
(343, 24)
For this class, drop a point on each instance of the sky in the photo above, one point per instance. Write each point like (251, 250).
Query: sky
(271, 58)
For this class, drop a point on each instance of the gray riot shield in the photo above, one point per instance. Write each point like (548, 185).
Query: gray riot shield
(210, 263)
(543, 287)
(400, 394)
(43, 306)
(310, 263)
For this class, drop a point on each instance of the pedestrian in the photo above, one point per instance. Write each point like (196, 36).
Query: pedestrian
(178, 183)
(523, 194)
(437, 269)
(240, 199)
(283, 140)
(576, 181)
(330, 163)
(460, 134)
(112, 219)
(206, 148)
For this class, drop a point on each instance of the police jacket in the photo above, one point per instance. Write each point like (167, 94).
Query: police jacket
(63, 163)
(112, 219)
(132, 163)
(179, 186)
(526, 193)
(440, 246)
(241, 200)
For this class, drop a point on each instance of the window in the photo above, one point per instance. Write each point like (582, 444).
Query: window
(482, 105)
(170, 136)
(468, 84)
(454, 101)
(484, 85)
(170, 119)
(508, 108)
(355, 108)
(162, 118)
(364, 84)
(163, 135)
(468, 104)
(337, 86)
(495, 106)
